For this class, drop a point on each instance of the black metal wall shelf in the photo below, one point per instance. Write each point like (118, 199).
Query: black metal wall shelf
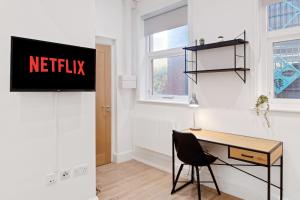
(216, 45)
(235, 42)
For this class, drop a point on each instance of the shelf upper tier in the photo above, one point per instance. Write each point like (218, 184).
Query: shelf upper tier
(216, 45)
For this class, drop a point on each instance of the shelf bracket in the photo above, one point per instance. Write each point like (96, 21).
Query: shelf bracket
(243, 35)
(194, 80)
(241, 77)
(190, 61)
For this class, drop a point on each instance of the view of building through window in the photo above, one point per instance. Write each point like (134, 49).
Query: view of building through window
(286, 57)
(284, 14)
(168, 76)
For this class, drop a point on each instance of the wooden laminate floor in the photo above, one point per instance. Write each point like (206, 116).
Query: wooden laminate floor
(136, 181)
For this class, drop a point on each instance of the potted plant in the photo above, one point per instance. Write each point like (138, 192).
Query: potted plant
(262, 103)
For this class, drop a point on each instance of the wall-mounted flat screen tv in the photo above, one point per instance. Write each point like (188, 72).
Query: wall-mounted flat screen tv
(47, 66)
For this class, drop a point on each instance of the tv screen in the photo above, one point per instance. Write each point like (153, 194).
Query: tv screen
(47, 66)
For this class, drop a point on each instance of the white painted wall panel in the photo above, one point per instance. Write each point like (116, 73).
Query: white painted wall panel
(153, 134)
(37, 135)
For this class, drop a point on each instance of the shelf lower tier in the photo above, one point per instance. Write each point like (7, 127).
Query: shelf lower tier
(217, 70)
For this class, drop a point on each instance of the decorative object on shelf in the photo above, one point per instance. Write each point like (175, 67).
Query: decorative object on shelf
(202, 41)
(220, 38)
(262, 103)
(193, 103)
(237, 41)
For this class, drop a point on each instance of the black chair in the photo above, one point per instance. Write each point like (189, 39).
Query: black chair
(190, 152)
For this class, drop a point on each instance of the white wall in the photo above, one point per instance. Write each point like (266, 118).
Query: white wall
(109, 18)
(113, 21)
(38, 133)
(225, 101)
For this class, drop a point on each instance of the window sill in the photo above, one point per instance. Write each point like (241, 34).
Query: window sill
(274, 108)
(165, 102)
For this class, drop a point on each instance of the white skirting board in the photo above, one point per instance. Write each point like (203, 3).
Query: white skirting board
(157, 160)
(94, 198)
(122, 157)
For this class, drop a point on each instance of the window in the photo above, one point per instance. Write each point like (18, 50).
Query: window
(167, 64)
(166, 34)
(283, 56)
(174, 38)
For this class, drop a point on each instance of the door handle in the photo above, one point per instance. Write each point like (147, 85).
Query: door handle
(107, 108)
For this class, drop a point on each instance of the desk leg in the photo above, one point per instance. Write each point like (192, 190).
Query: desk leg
(281, 178)
(269, 178)
(173, 163)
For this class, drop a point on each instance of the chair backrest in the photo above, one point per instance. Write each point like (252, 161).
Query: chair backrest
(188, 148)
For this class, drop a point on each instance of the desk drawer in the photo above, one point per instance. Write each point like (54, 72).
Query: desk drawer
(248, 156)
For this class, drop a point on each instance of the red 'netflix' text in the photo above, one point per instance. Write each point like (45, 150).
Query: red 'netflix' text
(56, 65)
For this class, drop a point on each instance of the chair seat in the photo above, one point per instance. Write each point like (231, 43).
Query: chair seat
(211, 159)
(202, 161)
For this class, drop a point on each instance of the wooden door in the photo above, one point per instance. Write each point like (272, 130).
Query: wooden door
(103, 105)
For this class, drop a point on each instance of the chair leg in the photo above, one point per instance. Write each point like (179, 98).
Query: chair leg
(177, 177)
(198, 182)
(213, 177)
(192, 176)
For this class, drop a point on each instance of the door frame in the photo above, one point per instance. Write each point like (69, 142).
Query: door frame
(112, 43)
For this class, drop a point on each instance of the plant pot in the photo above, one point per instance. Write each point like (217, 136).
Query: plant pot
(262, 107)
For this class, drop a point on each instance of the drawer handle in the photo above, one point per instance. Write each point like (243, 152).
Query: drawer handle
(247, 156)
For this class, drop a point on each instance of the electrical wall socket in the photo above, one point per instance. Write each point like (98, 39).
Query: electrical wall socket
(65, 174)
(81, 170)
(51, 179)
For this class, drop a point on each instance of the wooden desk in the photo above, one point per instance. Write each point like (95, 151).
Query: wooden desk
(257, 151)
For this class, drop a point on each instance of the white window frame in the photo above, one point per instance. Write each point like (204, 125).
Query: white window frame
(150, 55)
(270, 37)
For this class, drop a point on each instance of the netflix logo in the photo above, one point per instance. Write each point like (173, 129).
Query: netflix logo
(56, 65)
(47, 66)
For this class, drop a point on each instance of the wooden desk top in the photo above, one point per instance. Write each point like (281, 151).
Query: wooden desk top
(228, 139)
